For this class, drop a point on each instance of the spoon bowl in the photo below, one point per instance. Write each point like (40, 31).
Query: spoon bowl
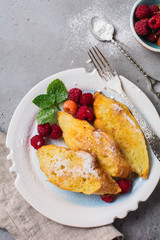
(101, 29)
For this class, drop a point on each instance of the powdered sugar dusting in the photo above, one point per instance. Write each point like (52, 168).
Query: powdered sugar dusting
(131, 122)
(111, 148)
(102, 29)
(96, 134)
(110, 145)
(61, 165)
(88, 165)
(117, 107)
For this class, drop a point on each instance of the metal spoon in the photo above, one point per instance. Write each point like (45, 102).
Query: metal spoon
(103, 31)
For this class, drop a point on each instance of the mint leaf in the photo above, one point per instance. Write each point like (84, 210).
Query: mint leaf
(52, 98)
(55, 117)
(46, 115)
(44, 100)
(58, 89)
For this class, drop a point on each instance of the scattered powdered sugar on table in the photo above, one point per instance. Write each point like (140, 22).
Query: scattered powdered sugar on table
(78, 26)
(78, 35)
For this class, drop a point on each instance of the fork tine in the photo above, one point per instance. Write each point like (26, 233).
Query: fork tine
(106, 61)
(97, 61)
(94, 61)
(100, 59)
(109, 72)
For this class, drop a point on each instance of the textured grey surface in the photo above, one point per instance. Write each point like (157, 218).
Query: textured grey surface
(39, 38)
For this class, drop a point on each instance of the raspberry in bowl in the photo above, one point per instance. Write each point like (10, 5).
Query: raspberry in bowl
(145, 24)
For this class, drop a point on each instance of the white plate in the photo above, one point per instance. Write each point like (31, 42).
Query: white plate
(74, 209)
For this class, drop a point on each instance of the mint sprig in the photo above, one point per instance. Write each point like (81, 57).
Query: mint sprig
(58, 89)
(49, 103)
(44, 100)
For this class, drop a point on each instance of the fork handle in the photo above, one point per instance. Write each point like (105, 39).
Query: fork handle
(151, 80)
(150, 136)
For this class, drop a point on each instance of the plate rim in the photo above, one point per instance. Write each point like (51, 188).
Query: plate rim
(13, 167)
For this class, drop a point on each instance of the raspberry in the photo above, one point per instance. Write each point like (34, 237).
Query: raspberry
(86, 99)
(44, 129)
(153, 9)
(37, 141)
(107, 198)
(85, 112)
(151, 37)
(75, 94)
(141, 27)
(125, 185)
(142, 11)
(154, 22)
(56, 132)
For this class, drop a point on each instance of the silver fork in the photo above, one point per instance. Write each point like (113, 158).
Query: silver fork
(113, 82)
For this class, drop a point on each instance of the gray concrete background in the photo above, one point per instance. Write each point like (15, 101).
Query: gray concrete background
(41, 37)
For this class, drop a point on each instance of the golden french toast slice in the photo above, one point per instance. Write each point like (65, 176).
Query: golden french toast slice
(79, 134)
(116, 119)
(75, 171)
